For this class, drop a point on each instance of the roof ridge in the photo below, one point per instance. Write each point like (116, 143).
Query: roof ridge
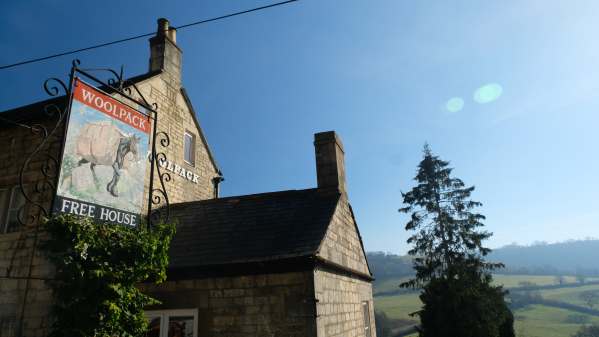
(250, 196)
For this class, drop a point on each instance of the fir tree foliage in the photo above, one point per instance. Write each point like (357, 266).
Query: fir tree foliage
(447, 235)
(449, 258)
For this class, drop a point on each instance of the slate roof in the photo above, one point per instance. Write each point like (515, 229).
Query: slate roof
(251, 228)
(30, 113)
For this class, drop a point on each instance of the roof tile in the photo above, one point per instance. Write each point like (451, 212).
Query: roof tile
(251, 228)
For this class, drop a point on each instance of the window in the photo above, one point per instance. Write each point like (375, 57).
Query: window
(4, 200)
(8, 326)
(189, 142)
(11, 202)
(173, 323)
(366, 311)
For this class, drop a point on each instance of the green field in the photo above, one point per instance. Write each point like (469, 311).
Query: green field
(508, 281)
(514, 281)
(542, 321)
(569, 295)
(399, 306)
(531, 321)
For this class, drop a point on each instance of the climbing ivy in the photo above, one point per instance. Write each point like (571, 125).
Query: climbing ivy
(97, 269)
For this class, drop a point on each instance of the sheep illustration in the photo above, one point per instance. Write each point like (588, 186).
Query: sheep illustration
(102, 143)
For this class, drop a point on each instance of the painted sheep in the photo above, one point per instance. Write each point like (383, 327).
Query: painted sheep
(103, 143)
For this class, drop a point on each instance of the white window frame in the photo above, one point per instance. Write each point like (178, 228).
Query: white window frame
(193, 147)
(165, 318)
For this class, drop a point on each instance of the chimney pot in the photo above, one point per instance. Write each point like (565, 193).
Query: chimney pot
(172, 34)
(165, 55)
(330, 161)
(163, 27)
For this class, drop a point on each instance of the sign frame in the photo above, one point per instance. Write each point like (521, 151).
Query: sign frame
(129, 95)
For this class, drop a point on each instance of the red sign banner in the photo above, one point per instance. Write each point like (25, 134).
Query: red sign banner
(110, 106)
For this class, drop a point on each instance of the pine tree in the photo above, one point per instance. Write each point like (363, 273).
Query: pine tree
(449, 257)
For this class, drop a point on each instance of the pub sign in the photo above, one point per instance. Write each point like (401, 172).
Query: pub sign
(104, 160)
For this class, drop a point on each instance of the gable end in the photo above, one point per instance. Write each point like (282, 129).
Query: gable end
(342, 244)
(200, 131)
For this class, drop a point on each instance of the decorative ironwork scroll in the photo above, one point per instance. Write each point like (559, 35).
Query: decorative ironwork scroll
(158, 205)
(30, 214)
(41, 190)
(35, 196)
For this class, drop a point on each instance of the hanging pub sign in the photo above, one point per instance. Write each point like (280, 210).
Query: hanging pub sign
(103, 167)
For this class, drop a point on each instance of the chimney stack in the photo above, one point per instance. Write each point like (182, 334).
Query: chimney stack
(330, 162)
(165, 55)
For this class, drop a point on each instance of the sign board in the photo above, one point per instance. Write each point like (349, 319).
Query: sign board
(103, 167)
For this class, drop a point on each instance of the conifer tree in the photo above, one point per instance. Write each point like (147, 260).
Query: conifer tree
(449, 257)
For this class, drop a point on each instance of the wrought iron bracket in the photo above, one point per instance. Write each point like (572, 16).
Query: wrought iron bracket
(37, 196)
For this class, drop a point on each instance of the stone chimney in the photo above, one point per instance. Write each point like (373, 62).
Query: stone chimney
(165, 55)
(330, 162)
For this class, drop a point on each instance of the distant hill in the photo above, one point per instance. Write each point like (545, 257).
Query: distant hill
(385, 266)
(571, 257)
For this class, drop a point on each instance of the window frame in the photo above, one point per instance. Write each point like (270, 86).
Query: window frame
(11, 208)
(4, 208)
(8, 324)
(366, 318)
(8, 208)
(192, 138)
(165, 316)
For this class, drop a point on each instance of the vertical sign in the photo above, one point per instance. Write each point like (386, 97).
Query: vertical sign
(104, 161)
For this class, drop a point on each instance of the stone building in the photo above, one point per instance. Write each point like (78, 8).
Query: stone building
(287, 263)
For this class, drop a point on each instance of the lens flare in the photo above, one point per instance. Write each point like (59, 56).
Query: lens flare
(488, 93)
(454, 104)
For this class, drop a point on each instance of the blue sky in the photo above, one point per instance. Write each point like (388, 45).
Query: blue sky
(379, 73)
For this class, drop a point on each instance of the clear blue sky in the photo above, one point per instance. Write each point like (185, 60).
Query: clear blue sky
(381, 74)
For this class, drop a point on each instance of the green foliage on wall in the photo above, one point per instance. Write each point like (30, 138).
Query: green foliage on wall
(98, 267)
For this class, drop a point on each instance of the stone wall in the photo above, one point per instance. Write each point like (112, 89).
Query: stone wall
(339, 309)
(267, 305)
(175, 117)
(340, 296)
(342, 244)
(22, 271)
